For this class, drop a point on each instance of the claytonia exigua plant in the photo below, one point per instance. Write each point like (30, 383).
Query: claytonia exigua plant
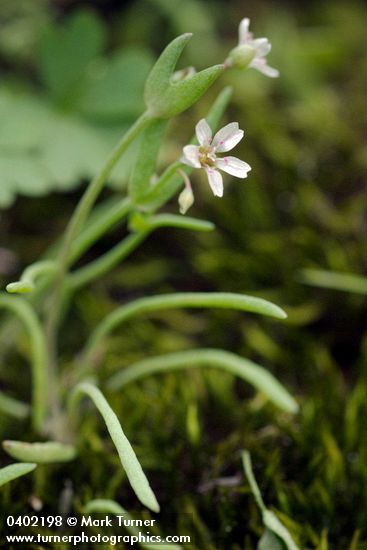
(55, 281)
(205, 156)
(251, 52)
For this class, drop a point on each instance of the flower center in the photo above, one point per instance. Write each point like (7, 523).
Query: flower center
(206, 156)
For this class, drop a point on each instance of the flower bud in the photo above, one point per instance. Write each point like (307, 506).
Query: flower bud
(185, 200)
(241, 56)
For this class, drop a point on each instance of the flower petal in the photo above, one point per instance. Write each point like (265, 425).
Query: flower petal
(261, 66)
(191, 156)
(227, 138)
(243, 31)
(233, 166)
(262, 46)
(215, 181)
(203, 133)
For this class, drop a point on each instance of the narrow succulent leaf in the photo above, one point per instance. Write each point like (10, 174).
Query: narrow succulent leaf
(223, 300)
(159, 78)
(112, 507)
(129, 461)
(164, 97)
(115, 255)
(256, 375)
(15, 470)
(181, 95)
(140, 222)
(38, 355)
(100, 505)
(146, 160)
(13, 407)
(348, 282)
(27, 282)
(269, 541)
(270, 520)
(40, 453)
(247, 466)
(20, 287)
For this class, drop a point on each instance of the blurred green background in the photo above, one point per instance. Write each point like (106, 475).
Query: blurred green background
(72, 76)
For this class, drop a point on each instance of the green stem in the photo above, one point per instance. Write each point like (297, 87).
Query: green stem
(76, 222)
(78, 219)
(95, 187)
(144, 226)
(171, 301)
(256, 375)
(166, 186)
(95, 269)
(92, 233)
(38, 355)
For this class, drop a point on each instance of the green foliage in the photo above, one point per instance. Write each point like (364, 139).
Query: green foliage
(270, 520)
(259, 377)
(52, 138)
(13, 407)
(67, 51)
(15, 470)
(165, 98)
(40, 453)
(126, 453)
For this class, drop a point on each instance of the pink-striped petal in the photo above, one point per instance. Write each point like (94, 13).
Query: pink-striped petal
(215, 181)
(227, 138)
(203, 133)
(233, 166)
(191, 156)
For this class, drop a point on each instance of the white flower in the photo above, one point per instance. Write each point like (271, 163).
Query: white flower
(204, 155)
(261, 47)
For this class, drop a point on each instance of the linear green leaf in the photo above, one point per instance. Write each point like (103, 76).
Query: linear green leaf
(15, 470)
(270, 520)
(146, 159)
(111, 506)
(13, 407)
(107, 261)
(27, 282)
(38, 354)
(224, 300)
(125, 451)
(256, 375)
(348, 282)
(159, 78)
(40, 453)
(269, 541)
(139, 222)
